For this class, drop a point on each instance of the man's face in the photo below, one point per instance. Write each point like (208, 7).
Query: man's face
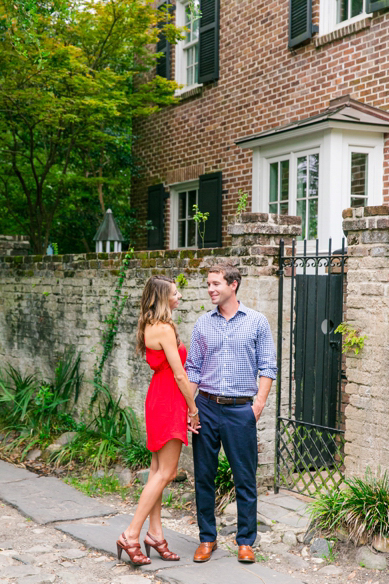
(218, 289)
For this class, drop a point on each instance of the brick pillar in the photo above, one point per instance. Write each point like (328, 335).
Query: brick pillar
(367, 427)
(255, 249)
(14, 245)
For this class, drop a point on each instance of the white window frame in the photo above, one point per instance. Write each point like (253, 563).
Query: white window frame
(269, 162)
(370, 177)
(181, 46)
(334, 145)
(328, 17)
(292, 156)
(296, 156)
(175, 190)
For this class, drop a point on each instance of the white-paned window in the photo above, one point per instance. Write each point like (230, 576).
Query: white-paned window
(359, 179)
(183, 226)
(187, 50)
(279, 187)
(293, 189)
(191, 47)
(348, 9)
(307, 193)
(336, 14)
(316, 176)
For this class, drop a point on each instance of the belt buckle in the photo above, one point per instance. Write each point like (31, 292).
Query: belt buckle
(217, 399)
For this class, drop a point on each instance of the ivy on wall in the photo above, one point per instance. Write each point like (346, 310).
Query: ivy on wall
(112, 324)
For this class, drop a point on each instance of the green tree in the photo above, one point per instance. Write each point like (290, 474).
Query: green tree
(73, 75)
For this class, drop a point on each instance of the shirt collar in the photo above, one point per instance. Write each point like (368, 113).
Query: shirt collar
(241, 308)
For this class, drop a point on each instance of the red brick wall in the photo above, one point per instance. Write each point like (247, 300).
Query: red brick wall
(262, 84)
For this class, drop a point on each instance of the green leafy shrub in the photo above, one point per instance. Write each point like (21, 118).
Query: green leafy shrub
(34, 412)
(224, 482)
(181, 281)
(16, 396)
(135, 455)
(40, 406)
(100, 442)
(361, 508)
(242, 204)
(352, 340)
(200, 218)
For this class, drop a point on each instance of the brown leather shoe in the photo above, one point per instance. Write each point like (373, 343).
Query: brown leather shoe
(246, 554)
(204, 551)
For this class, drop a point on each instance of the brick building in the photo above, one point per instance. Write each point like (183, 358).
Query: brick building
(284, 100)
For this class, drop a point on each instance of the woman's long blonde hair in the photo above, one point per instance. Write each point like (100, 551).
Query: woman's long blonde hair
(154, 308)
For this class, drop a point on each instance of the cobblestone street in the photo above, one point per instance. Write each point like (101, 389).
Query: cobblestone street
(35, 554)
(52, 533)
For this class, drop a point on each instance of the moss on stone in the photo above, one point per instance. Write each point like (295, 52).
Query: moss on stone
(187, 253)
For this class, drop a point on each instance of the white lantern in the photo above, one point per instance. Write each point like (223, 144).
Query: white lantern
(108, 232)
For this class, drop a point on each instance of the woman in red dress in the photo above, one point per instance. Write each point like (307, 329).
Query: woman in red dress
(166, 411)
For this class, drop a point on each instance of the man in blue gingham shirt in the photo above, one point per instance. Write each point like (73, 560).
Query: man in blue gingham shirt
(229, 346)
(226, 355)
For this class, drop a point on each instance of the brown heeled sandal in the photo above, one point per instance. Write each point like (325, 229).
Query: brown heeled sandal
(161, 548)
(137, 557)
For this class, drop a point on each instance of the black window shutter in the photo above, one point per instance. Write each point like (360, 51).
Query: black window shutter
(163, 63)
(300, 21)
(210, 200)
(375, 5)
(209, 41)
(155, 214)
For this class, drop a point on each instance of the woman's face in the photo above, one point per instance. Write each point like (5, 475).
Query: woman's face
(174, 298)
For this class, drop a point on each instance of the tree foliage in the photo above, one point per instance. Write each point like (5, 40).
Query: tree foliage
(73, 75)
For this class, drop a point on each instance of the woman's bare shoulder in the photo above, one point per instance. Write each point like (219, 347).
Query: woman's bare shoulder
(159, 328)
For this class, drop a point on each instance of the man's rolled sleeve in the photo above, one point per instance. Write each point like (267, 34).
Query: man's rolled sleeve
(195, 358)
(266, 353)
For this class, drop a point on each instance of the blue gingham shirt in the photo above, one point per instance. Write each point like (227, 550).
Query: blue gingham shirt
(226, 356)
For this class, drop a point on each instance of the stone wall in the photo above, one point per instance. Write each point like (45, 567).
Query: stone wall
(14, 245)
(367, 428)
(50, 302)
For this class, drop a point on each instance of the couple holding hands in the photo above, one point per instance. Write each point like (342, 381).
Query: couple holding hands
(229, 346)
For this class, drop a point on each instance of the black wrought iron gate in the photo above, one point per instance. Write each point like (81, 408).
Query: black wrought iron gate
(309, 434)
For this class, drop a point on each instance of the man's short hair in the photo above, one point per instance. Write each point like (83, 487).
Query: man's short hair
(230, 273)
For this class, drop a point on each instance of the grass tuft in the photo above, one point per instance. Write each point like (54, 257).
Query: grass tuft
(98, 486)
(361, 508)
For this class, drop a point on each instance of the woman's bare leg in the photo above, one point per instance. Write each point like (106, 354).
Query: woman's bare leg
(167, 460)
(155, 523)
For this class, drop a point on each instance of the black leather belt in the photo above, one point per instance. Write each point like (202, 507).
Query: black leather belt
(227, 401)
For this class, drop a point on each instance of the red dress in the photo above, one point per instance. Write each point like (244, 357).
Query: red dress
(166, 410)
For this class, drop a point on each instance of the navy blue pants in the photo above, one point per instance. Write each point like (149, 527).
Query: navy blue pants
(234, 426)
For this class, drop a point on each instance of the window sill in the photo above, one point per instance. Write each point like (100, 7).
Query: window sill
(344, 31)
(189, 91)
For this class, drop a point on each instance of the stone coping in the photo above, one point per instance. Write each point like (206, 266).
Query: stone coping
(366, 218)
(261, 235)
(116, 258)
(14, 238)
